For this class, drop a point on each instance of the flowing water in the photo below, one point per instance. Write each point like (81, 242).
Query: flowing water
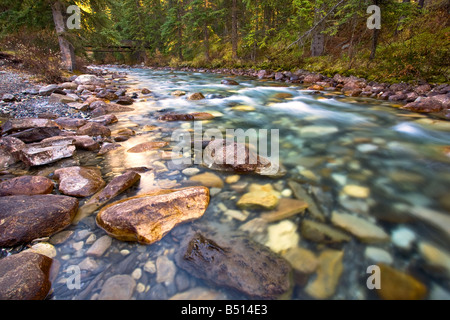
(351, 155)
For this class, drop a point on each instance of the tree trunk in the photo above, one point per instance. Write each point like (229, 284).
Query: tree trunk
(374, 43)
(421, 3)
(180, 33)
(206, 42)
(376, 33)
(318, 39)
(234, 32)
(67, 49)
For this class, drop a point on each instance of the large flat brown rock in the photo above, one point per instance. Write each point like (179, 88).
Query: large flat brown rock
(148, 218)
(25, 218)
(25, 276)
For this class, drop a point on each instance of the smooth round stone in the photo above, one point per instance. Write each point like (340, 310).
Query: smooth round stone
(378, 255)
(190, 171)
(403, 238)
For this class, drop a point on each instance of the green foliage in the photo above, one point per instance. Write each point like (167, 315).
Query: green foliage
(413, 42)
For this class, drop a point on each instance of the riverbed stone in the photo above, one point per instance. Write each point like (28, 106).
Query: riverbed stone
(148, 218)
(397, 285)
(259, 197)
(328, 274)
(303, 261)
(208, 179)
(42, 153)
(25, 276)
(79, 181)
(363, 229)
(378, 255)
(99, 247)
(322, 233)
(436, 258)
(282, 236)
(26, 185)
(165, 270)
(25, 218)
(356, 191)
(118, 287)
(236, 262)
(314, 131)
(286, 208)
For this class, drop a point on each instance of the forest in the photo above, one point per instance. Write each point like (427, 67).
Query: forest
(331, 36)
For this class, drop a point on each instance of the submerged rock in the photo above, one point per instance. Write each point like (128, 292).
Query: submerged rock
(286, 208)
(79, 181)
(25, 218)
(196, 96)
(118, 287)
(328, 275)
(396, 285)
(26, 185)
(363, 229)
(260, 196)
(25, 276)
(237, 263)
(322, 233)
(208, 179)
(148, 218)
(146, 146)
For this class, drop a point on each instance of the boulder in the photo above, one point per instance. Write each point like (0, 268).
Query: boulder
(196, 96)
(236, 262)
(70, 123)
(60, 98)
(105, 120)
(148, 218)
(80, 142)
(13, 125)
(25, 218)
(125, 101)
(47, 90)
(26, 185)
(38, 154)
(89, 79)
(25, 276)
(94, 129)
(229, 82)
(223, 155)
(36, 134)
(79, 181)
(8, 98)
(107, 95)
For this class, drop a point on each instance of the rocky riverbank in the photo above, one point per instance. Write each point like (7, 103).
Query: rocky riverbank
(421, 97)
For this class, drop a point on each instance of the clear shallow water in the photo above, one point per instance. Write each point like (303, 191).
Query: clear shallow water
(327, 142)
